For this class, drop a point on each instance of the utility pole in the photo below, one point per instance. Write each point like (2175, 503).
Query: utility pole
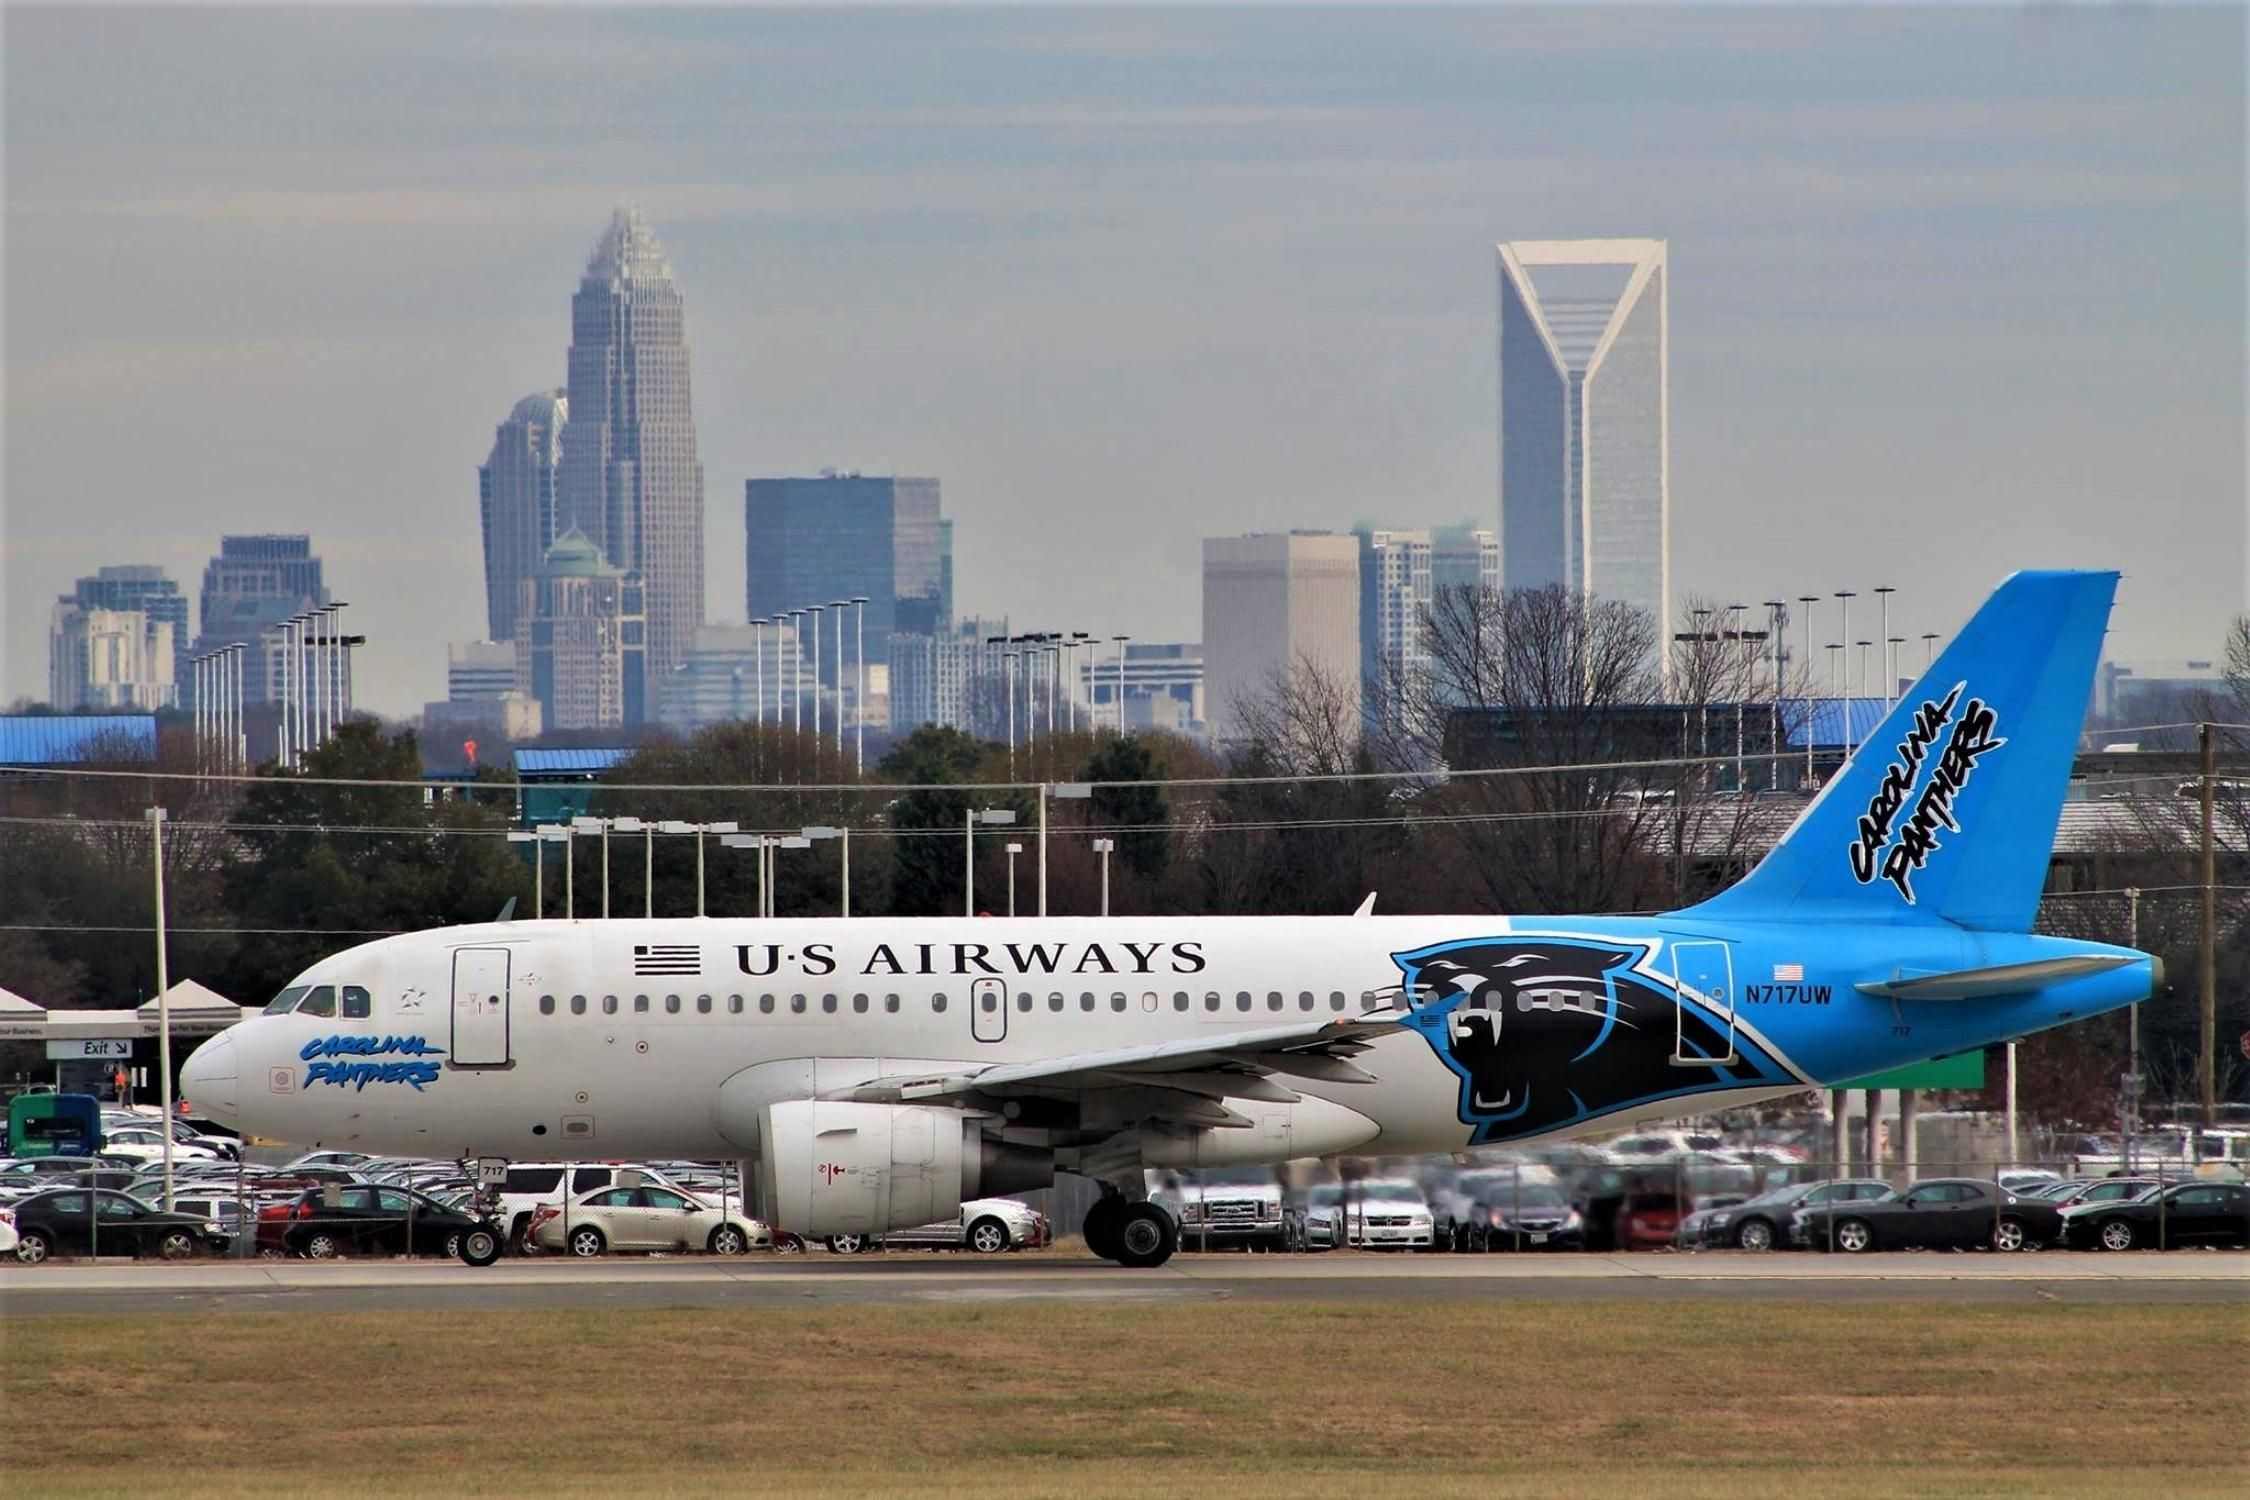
(2128, 1104)
(164, 1001)
(2208, 1028)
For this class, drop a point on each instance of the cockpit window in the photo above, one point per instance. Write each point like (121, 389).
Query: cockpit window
(320, 1002)
(358, 1005)
(286, 1001)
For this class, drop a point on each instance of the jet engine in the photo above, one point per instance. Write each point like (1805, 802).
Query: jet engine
(828, 1168)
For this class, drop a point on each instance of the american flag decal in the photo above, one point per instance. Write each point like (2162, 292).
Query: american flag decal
(1788, 973)
(653, 959)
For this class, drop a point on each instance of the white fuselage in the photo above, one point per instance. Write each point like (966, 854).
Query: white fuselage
(623, 1038)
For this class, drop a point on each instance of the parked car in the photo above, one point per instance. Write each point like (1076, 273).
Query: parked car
(1223, 1208)
(1663, 1145)
(987, 1226)
(314, 1160)
(147, 1145)
(7, 1231)
(1649, 1218)
(1534, 1217)
(2189, 1213)
(533, 1185)
(1763, 1222)
(65, 1222)
(1377, 1214)
(646, 1217)
(1957, 1213)
(1464, 1202)
(232, 1214)
(363, 1219)
(2042, 1207)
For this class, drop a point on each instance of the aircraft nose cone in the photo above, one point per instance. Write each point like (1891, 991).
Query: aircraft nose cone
(208, 1083)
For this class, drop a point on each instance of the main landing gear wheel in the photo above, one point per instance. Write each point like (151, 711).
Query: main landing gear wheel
(1103, 1222)
(1146, 1237)
(481, 1247)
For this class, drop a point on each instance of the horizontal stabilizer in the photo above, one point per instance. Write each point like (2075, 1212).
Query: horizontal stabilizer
(2005, 979)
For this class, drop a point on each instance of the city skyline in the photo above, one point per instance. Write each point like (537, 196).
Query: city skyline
(1880, 368)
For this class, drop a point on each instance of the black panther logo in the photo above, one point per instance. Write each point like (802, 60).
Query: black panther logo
(1544, 1032)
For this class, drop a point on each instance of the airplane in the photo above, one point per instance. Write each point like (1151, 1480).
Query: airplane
(873, 1073)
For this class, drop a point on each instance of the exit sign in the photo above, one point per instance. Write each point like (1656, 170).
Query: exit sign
(81, 1048)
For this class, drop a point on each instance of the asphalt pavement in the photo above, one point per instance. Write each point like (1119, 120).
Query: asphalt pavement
(907, 1277)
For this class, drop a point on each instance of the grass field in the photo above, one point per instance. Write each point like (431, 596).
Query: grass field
(1039, 1398)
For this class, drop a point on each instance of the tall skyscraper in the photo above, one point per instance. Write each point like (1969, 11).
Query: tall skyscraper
(1273, 603)
(1464, 557)
(1585, 419)
(1394, 590)
(581, 635)
(934, 678)
(631, 480)
(812, 541)
(108, 658)
(249, 589)
(150, 591)
(516, 503)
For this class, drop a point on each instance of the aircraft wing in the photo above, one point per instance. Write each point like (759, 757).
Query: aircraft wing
(1228, 1064)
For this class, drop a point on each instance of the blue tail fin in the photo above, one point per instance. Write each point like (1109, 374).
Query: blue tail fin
(1948, 812)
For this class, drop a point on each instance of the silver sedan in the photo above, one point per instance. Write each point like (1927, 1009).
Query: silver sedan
(645, 1218)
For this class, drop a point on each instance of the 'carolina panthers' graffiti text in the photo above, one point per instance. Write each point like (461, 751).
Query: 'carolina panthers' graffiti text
(1898, 784)
(1917, 841)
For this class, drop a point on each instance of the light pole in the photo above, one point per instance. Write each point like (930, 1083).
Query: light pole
(600, 826)
(538, 868)
(1105, 848)
(1777, 620)
(758, 669)
(1008, 687)
(840, 605)
(757, 843)
(1892, 657)
(1808, 601)
(820, 833)
(1741, 689)
(1844, 633)
(814, 611)
(1068, 791)
(1889, 678)
(155, 817)
(970, 818)
(648, 858)
(1929, 649)
(1014, 849)
(1121, 640)
(859, 692)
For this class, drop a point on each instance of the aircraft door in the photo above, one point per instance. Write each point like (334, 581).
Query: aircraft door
(1703, 970)
(480, 1008)
(988, 1010)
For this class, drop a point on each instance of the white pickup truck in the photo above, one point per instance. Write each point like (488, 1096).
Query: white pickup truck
(1223, 1207)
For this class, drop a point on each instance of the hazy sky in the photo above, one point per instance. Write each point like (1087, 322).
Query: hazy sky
(1953, 291)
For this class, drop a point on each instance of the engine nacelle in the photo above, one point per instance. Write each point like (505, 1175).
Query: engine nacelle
(839, 1168)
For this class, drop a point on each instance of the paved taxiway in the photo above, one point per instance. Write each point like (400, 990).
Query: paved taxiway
(428, 1286)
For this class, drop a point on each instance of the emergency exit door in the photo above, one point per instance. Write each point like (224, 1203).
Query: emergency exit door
(480, 1008)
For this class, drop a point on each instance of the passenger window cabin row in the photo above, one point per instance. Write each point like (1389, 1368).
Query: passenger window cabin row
(1213, 1002)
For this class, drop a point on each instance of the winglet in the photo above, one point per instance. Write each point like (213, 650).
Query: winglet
(507, 912)
(1367, 907)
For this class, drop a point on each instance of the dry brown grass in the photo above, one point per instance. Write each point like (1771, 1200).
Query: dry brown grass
(1033, 1398)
